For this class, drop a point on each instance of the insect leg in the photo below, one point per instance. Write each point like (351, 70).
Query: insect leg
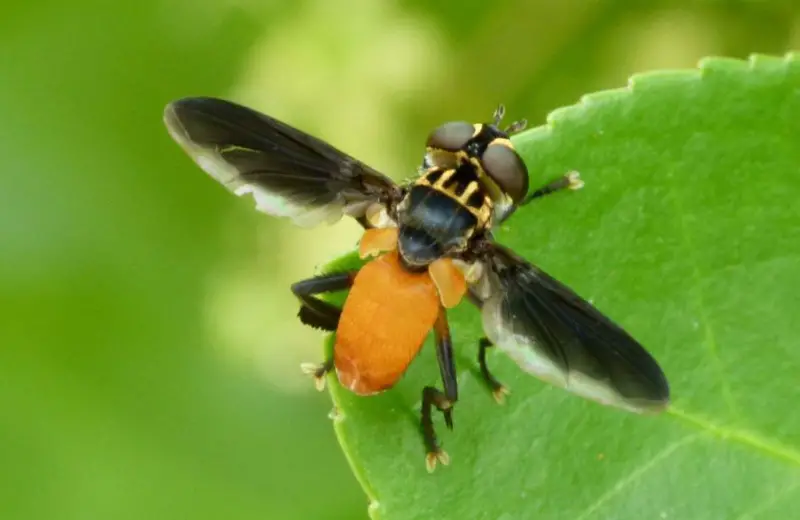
(433, 397)
(320, 314)
(499, 391)
(315, 312)
(571, 180)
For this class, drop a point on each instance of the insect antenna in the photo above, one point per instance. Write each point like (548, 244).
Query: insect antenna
(499, 114)
(516, 126)
(513, 128)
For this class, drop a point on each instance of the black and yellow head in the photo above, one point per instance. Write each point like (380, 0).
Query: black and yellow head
(488, 148)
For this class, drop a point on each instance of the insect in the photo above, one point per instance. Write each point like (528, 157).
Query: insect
(428, 244)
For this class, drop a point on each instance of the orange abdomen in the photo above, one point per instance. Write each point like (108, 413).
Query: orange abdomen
(385, 319)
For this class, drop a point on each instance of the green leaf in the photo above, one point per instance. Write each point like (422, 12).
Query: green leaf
(687, 233)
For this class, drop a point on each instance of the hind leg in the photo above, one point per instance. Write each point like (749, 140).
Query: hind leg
(320, 314)
(435, 398)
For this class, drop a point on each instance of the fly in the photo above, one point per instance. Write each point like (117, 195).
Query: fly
(427, 244)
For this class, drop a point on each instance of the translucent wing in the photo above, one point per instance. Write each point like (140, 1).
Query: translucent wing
(288, 172)
(554, 334)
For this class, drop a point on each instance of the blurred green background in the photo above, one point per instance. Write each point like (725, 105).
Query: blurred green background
(148, 347)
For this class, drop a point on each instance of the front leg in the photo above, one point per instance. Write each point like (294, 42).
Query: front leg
(433, 397)
(320, 314)
(569, 181)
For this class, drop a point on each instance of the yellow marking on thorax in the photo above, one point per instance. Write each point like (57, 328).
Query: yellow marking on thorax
(482, 213)
(472, 187)
(443, 178)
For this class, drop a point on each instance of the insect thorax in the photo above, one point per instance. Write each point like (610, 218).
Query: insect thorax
(441, 211)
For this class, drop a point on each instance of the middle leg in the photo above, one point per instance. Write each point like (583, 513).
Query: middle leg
(499, 390)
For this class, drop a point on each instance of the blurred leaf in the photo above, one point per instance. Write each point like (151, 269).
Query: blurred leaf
(116, 402)
(688, 234)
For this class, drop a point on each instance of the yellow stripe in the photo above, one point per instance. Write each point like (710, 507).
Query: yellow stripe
(439, 185)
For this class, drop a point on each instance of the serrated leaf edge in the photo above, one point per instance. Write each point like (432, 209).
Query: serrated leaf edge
(707, 65)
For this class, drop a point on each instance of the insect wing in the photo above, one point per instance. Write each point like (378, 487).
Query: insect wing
(554, 334)
(288, 172)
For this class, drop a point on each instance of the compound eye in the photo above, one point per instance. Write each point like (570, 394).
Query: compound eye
(451, 136)
(505, 167)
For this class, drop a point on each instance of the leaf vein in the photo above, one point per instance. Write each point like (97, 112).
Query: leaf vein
(765, 505)
(747, 438)
(699, 303)
(647, 465)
